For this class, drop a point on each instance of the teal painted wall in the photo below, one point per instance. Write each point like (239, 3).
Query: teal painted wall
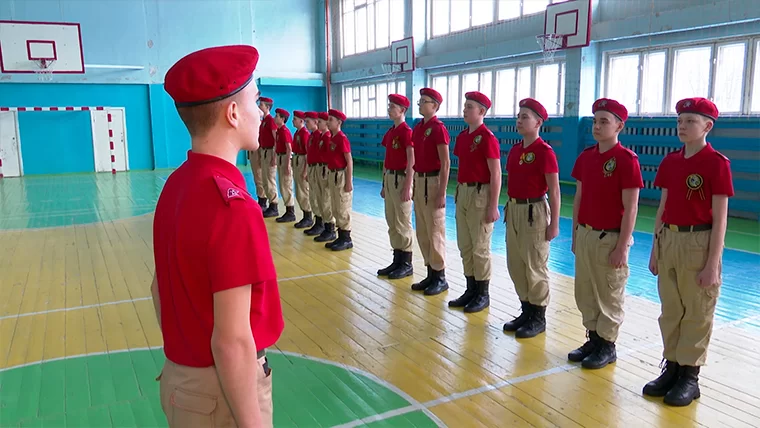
(56, 142)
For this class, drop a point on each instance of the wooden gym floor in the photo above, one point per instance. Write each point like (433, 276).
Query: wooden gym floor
(79, 345)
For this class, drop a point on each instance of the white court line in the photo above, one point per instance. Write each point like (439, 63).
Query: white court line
(139, 299)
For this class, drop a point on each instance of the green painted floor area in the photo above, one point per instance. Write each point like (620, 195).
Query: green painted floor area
(120, 390)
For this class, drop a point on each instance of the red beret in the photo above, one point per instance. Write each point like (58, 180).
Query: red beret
(536, 106)
(478, 98)
(322, 115)
(266, 100)
(698, 105)
(612, 106)
(399, 99)
(282, 112)
(337, 114)
(312, 115)
(211, 74)
(299, 114)
(432, 93)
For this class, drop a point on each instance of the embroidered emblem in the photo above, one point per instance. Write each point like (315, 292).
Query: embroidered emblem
(232, 193)
(333, 146)
(395, 143)
(522, 103)
(688, 104)
(477, 139)
(475, 143)
(527, 158)
(694, 182)
(602, 103)
(428, 132)
(609, 167)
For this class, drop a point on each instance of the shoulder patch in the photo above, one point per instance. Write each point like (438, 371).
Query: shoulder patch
(228, 190)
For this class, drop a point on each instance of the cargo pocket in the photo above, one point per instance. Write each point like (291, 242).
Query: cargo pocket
(481, 199)
(616, 278)
(190, 409)
(696, 258)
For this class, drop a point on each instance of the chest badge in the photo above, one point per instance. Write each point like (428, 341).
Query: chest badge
(333, 146)
(609, 167)
(527, 158)
(395, 143)
(694, 182)
(475, 143)
(428, 132)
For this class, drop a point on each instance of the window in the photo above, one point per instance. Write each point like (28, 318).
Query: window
(450, 16)
(505, 86)
(755, 107)
(370, 100)
(651, 82)
(367, 25)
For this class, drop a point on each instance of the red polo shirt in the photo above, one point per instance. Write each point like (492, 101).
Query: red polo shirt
(338, 146)
(426, 138)
(283, 137)
(300, 140)
(691, 184)
(266, 139)
(209, 236)
(324, 147)
(473, 150)
(395, 141)
(526, 169)
(313, 156)
(603, 177)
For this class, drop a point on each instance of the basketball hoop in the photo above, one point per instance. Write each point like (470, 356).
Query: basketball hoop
(550, 43)
(392, 67)
(44, 72)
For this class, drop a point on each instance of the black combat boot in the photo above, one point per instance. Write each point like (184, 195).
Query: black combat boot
(535, 325)
(686, 388)
(305, 222)
(481, 299)
(290, 215)
(603, 354)
(586, 349)
(423, 285)
(272, 211)
(263, 203)
(437, 283)
(317, 229)
(387, 270)
(468, 295)
(520, 320)
(660, 386)
(328, 234)
(343, 242)
(404, 267)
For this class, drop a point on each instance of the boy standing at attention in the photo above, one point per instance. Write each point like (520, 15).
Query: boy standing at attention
(300, 169)
(267, 136)
(328, 233)
(282, 146)
(314, 161)
(690, 227)
(340, 181)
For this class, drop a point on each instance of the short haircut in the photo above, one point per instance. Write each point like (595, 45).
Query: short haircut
(200, 119)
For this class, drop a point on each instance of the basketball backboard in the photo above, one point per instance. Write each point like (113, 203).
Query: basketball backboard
(26, 47)
(570, 19)
(402, 54)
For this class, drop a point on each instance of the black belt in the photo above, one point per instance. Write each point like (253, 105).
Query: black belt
(396, 171)
(337, 170)
(473, 184)
(585, 226)
(525, 201)
(429, 174)
(697, 228)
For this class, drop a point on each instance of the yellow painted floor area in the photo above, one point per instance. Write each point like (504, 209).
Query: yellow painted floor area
(84, 289)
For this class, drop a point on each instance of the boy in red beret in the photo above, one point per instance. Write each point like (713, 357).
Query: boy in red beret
(431, 165)
(340, 180)
(531, 221)
(301, 170)
(328, 233)
(283, 149)
(604, 213)
(397, 188)
(690, 227)
(313, 159)
(218, 312)
(267, 138)
(477, 201)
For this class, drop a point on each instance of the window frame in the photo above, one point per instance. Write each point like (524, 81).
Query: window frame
(343, 11)
(356, 87)
(495, 20)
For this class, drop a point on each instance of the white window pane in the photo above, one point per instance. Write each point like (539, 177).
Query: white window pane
(401, 88)
(364, 102)
(361, 30)
(485, 84)
(505, 92)
(382, 97)
(371, 27)
(357, 95)
(397, 23)
(356, 109)
(562, 91)
(534, 6)
(509, 9)
(349, 34)
(454, 100)
(691, 74)
(360, 2)
(382, 24)
(623, 80)
(348, 5)
(524, 83)
(371, 91)
(653, 83)
(547, 79)
(469, 82)
(346, 104)
(440, 84)
(756, 86)
(482, 12)
(460, 14)
(440, 17)
(729, 78)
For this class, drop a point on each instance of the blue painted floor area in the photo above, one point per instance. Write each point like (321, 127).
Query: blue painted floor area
(740, 293)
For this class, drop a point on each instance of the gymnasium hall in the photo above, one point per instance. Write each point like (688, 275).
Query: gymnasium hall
(90, 136)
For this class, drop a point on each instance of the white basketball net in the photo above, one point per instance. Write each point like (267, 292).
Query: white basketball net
(44, 72)
(550, 43)
(391, 67)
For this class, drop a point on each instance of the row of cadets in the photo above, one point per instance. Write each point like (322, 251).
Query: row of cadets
(317, 124)
(283, 153)
(267, 159)
(300, 167)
